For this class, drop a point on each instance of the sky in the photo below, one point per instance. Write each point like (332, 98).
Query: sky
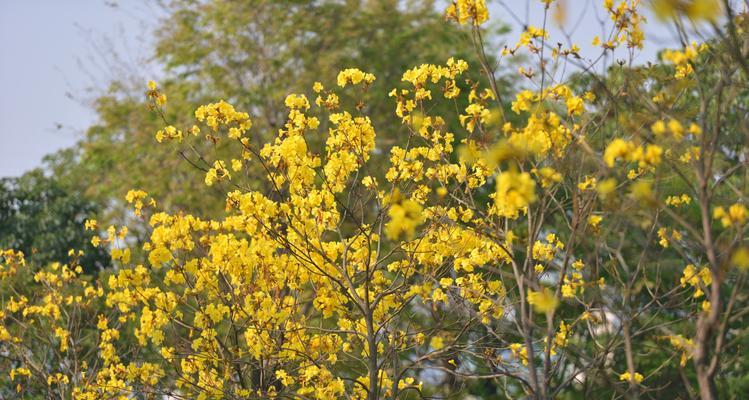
(56, 55)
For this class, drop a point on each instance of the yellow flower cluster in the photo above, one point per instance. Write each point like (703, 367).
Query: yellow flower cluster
(665, 239)
(420, 76)
(543, 301)
(628, 22)
(217, 173)
(405, 215)
(354, 76)
(348, 147)
(545, 251)
(626, 377)
(158, 98)
(465, 11)
(222, 113)
(734, 216)
(678, 201)
(138, 198)
(647, 157)
(515, 192)
(169, 133)
(683, 60)
(527, 38)
(686, 346)
(696, 279)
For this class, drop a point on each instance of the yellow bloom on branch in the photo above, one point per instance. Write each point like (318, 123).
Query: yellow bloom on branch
(515, 192)
(464, 11)
(543, 301)
(626, 377)
(735, 215)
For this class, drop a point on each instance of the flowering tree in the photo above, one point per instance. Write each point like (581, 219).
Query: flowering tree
(587, 239)
(251, 54)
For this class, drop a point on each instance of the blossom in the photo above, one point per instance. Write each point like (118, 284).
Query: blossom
(354, 76)
(626, 377)
(543, 301)
(464, 11)
(735, 215)
(515, 191)
(405, 215)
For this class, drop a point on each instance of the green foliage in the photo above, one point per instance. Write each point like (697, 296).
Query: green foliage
(250, 53)
(44, 220)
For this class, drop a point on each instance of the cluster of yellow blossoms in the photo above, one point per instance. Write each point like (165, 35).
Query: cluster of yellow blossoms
(465, 11)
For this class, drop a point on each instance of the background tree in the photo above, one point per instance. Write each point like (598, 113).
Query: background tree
(44, 219)
(250, 53)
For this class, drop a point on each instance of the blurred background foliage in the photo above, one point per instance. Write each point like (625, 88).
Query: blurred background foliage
(44, 220)
(251, 54)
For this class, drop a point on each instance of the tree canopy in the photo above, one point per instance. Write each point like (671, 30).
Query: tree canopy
(249, 53)
(44, 220)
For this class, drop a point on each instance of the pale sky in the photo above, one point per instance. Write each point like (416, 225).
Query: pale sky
(55, 55)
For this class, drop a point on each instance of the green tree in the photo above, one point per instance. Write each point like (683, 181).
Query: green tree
(250, 53)
(44, 220)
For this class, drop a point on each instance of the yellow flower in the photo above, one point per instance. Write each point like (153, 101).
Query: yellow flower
(642, 191)
(405, 215)
(354, 76)
(682, 60)
(740, 258)
(587, 183)
(437, 343)
(658, 128)
(515, 192)
(574, 105)
(158, 256)
(169, 133)
(695, 129)
(542, 301)
(677, 201)
(217, 173)
(236, 165)
(736, 215)
(548, 176)
(676, 128)
(685, 345)
(694, 9)
(90, 224)
(618, 148)
(63, 335)
(696, 279)
(520, 352)
(19, 371)
(297, 102)
(468, 10)
(626, 377)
